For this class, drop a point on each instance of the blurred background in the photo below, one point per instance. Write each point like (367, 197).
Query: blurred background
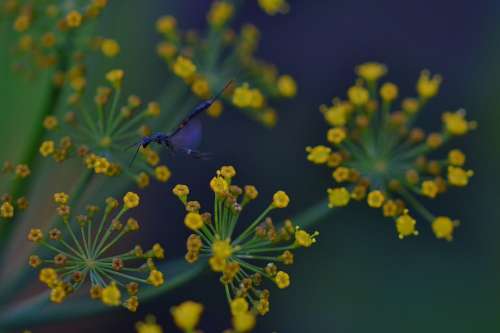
(359, 277)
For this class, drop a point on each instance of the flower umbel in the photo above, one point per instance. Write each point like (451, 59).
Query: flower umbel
(83, 254)
(11, 203)
(222, 55)
(100, 134)
(237, 256)
(46, 33)
(378, 155)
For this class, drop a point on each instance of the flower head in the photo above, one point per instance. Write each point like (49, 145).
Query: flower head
(10, 204)
(148, 326)
(99, 134)
(44, 36)
(377, 155)
(187, 315)
(273, 7)
(244, 322)
(236, 256)
(232, 55)
(110, 48)
(85, 256)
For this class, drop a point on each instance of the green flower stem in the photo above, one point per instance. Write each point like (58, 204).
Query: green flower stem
(108, 232)
(73, 236)
(22, 186)
(99, 230)
(313, 215)
(228, 294)
(252, 257)
(114, 106)
(84, 241)
(125, 276)
(252, 226)
(270, 249)
(69, 247)
(111, 243)
(417, 205)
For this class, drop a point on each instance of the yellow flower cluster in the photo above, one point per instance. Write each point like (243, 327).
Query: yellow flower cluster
(236, 256)
(377, 155)
(232, 56)
(273, 7)
(187, 315)
(107, 131)
(45, 30)
(10, 203)
(85, 256)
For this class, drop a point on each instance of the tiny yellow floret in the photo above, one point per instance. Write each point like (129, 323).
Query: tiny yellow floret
(131, 200)
(375, 199)
(111, 295)
(318, 154)
(338, 197)
(155, 278)
(184, 67)
(458, 176)
(47, 148)
(280, 199)
(187, 315)
(222, 249)
(287, 86)
(110, 48)
(371, 71)
(193, 221)
(405, 226)
(238, 305)
(73, 19)
(282, 280)
(428, 87)
(273, 7)
(443, 227)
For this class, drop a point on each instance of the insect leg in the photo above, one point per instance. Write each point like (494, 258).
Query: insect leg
(197, 154)
(135, 155)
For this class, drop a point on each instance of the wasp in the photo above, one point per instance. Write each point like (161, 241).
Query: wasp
(186, 136)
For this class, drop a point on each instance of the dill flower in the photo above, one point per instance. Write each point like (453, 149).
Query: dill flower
(99, 134)
(378, 155)
(273, 7)
(244, 322)
(237, 255)
(148, 326)
(82, 254)
(46, 31)
(187, 315)
(10, 203)
(204, 62)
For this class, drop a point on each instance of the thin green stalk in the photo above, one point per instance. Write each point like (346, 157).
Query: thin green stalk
(112, 112)
(111, 243)
(252, 226)
(107, 233)
(417, 205)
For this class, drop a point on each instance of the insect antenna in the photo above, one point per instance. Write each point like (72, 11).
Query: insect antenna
(217, 96)
(134, 145)
(135, 154)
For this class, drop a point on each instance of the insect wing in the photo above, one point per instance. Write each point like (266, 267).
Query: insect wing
(187, 136)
